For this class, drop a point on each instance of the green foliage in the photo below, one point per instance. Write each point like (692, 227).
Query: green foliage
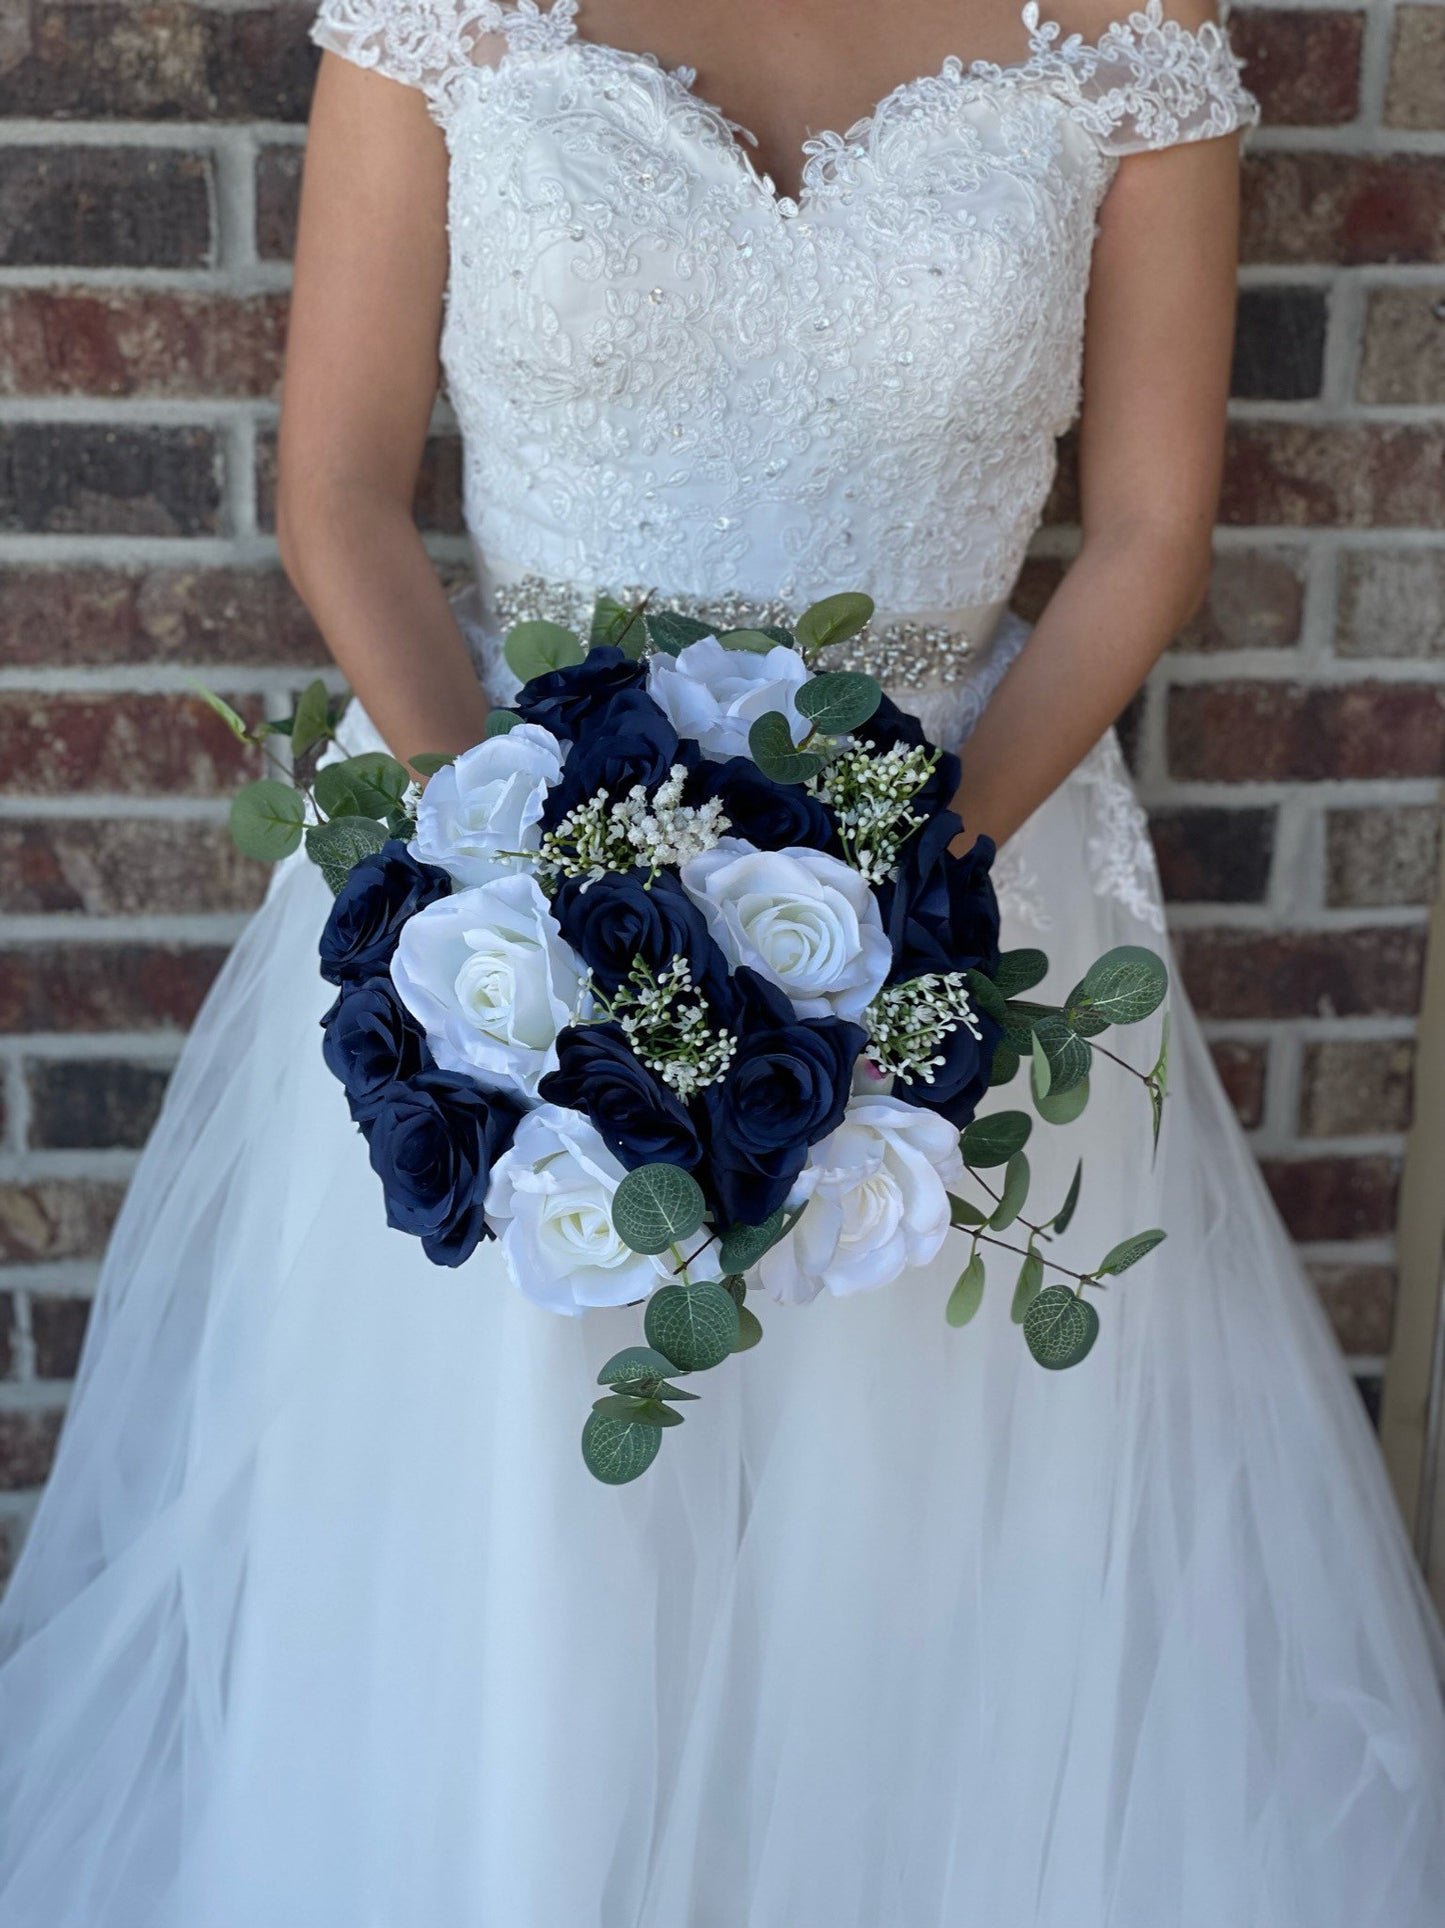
(995, 1139)
(537, 648)
(1020, 971)
(1030, 1279)
(967, 1296)
(617, 1449)
(753, 642)
(1063, 1107)
(635, 1367)
(1041, 1071)
(643, 1411)
(1130, 1250)
(671, 633)
(1068, 1055)
(833, 620)
(1157, 1082)
(370, 785)
(988, 997)
(838, 702)
(1125, 986)
(1060, 1328)
(1006, 1062)
(746, 1244)
(962, 1212)
(621, 625)
(750, 1329)
(267, 818)
(427, 762)
(656, 1206)
(695, 1326)
(1064, 1215)
(1015, 1193)
(311, 723)
(770, 744)
(500, 723)
(336, 846)
(234, 722)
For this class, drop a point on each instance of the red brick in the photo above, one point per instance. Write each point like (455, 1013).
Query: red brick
(207, 617)
(1303, 974)
(27, 1448)
(1404, 358)
(115, 342)
(11, 1539)
(1209, 856)
(1351, 209)
(83, 1104)
(104, 207)
(1302, 63)
(7, 1334)
(1358, 476)
(130, 745)
(1416, 92)
(81, 478)
(1360, 1301)
(159, 61)
(58, 1326)
(1335, 1198)
(1241, 732)
(46, 1219)
(123, 867)
(1352, 1086)
(278, 192)
(1255, 600)
(105, 987)
(1242, 1070)
(1392, 603)
(1388, 854)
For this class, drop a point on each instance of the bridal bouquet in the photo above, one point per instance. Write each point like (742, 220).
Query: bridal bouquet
(674, 985)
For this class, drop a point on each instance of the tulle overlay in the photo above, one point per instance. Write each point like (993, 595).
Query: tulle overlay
(324, 1622)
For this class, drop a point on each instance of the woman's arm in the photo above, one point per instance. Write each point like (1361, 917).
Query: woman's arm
(361, 377)
(1156, 379)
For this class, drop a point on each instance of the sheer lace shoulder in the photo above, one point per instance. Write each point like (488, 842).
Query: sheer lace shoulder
(1147, 82)
(435, 44)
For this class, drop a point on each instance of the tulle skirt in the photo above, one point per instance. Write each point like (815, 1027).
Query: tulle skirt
(323, 1624)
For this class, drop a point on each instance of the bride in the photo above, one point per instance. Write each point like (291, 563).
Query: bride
(323, 1624)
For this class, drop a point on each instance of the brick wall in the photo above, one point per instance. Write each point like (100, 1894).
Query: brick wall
(1289, 747)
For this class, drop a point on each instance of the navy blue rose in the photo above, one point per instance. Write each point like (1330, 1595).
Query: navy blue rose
(771, 816)
(786, 1088)
(628, 741)
(381, 893)
(568, 701)
(890, 725)
(940, 911)
(371, 1042)
(434, 1141)
(612, 921)
(639, 1119)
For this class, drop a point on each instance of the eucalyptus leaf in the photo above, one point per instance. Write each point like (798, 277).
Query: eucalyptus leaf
(671, 633)
(696, 1326)
(234, 721)
(657, 1206)
(839, 701)
(370, 785)
(962, 1212)
(337, 846)
(1015, 1193)
(1063, 1217)
(753, 642)
(750, 1329)
(500, 723)
(1130, 1250)
(1020, 971)
(1070, 1058)
(1020, 1017)
(635, 1366)
(833, 620)
(746, 1244)
(616, 1450)
(967, 1296)
(1125, 986)
(1159, 1081)
(1041, 1076)
(427, 762)
(1006, 1062)
(771, 746)
(1063, 1107)
(536, 648)
(267, 818)
(1030, 1279)
(987, 996)
(311, 722)
(619, 626)
(738, 1286)
(642, 1412)
(993, 1140)
(1060, 1328)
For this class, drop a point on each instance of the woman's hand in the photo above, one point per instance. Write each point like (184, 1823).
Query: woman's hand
(361, 380)
(1156, 379)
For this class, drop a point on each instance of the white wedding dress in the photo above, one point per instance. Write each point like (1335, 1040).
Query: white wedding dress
(322, 1623)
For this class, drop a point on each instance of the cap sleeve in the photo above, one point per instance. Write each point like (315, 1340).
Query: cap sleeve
(422, 43)
(1147, 82)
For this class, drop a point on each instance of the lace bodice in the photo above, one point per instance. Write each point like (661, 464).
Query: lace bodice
(666, 372)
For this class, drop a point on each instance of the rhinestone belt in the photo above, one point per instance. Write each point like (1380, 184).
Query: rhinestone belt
(902, 653)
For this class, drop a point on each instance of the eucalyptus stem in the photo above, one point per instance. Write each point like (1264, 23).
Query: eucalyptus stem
(1024, 1252)
(1040, 1231)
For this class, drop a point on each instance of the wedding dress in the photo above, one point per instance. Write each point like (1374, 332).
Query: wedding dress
(322, 1623)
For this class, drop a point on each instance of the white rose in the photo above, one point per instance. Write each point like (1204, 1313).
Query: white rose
(489, 800)
(876, 1195)
(800, 918)
(487, 975)
(715, 694)
(550, 1205)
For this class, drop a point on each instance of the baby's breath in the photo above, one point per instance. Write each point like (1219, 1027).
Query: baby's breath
(669, 1028)
(907, 1023)
(871, 795)
(604, 835)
